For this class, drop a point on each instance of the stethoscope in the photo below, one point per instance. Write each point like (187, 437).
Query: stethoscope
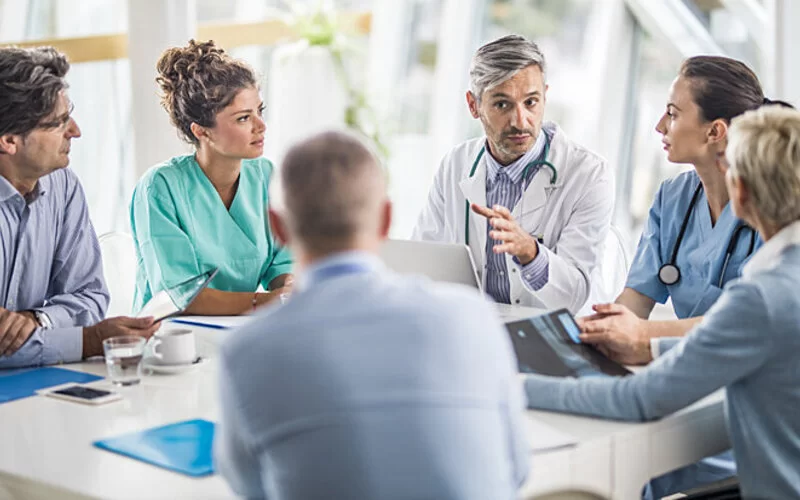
(669, 274)
(543, 161)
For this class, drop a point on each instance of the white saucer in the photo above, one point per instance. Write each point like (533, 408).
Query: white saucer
(152, 364)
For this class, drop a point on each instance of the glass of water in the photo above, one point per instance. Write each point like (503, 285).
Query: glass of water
(124, 359)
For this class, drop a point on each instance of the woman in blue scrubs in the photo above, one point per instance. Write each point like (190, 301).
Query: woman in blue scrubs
(208, 209)
(693, 243)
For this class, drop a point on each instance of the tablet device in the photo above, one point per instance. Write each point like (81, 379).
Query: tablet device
(549, 344)
(175, 299)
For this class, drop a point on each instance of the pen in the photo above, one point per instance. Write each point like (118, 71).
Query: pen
(199, 323)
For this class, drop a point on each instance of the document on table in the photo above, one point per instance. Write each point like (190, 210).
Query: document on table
(545, 437)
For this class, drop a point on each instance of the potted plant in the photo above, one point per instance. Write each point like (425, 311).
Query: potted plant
(311, 83)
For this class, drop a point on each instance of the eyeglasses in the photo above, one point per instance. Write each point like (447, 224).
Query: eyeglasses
(59, 122)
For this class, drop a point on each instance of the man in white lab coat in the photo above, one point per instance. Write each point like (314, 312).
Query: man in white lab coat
(533, 206)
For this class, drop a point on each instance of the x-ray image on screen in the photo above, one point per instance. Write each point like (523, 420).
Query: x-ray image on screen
(550, 345)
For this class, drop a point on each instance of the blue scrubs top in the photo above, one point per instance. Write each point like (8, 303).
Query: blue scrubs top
(181, 228)
(702, 251)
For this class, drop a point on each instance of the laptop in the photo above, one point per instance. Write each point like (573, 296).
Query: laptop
(548, 344)
(448, 262)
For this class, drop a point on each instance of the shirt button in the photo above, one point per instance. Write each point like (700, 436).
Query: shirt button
(517, 301)
(502, 273)
(514, 271)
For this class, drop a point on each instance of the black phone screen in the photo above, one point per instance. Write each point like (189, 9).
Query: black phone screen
(82, 392)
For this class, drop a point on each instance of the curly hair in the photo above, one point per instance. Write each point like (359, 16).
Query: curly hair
(197, 81)
(30, 83)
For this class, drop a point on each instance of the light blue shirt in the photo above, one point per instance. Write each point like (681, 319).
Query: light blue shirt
(749, 343)
(702, 252)
(50, 261)
(504, 186)
(371, 385)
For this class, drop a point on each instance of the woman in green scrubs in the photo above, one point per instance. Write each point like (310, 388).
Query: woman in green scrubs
(208, 210)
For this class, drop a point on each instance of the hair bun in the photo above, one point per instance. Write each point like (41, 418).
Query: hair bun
(179, 65)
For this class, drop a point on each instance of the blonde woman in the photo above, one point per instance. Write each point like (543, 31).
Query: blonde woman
(748, 342)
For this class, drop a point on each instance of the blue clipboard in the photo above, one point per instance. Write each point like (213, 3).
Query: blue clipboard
(183, 447)
(18, 384)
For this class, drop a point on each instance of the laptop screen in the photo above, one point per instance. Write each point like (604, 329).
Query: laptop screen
(549, 345)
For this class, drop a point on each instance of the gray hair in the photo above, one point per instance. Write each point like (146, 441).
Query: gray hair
(500, 60)
(30, 82)
(329, 190)
(764, 153)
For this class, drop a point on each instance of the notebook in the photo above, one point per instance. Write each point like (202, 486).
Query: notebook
(183, 447)
(18, 384)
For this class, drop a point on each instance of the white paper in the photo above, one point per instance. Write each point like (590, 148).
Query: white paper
(159, 306)
(545, 437)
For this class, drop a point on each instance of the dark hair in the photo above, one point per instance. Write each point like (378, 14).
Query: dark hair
(30, 81)
(776, 102)
(197, 81)
(722, 87)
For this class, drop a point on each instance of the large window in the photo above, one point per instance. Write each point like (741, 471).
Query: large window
(102, 156)
(729, 32)
(415, 76)
(559, 28)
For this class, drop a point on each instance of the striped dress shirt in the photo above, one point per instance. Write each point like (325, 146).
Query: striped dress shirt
(50, 261)
(504, 186)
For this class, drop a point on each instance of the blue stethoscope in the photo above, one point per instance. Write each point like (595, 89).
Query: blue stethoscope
(543, 161)
(669, 274)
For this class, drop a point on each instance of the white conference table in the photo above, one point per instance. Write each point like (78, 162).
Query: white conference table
(46, 451)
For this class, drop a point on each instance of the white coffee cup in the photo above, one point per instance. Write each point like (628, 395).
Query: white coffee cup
(174, 346)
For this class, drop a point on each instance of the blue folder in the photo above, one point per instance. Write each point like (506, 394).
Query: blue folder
(183, 447)
(18, 384)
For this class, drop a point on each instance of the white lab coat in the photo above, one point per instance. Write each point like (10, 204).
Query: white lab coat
(573, 215)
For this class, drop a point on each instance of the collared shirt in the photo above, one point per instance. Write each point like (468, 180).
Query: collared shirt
(748, 343)
(366, 384)
(504, 186)
(50, 261)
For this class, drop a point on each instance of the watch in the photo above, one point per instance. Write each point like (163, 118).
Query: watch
(43, 319)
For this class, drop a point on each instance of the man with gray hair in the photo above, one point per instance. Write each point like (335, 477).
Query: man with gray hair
(365, 384)
(533, 206)
(52, 290)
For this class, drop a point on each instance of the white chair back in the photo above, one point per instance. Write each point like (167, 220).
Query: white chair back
(614, 264)
(119, 268)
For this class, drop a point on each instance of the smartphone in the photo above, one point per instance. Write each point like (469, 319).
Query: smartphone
(83, 394)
